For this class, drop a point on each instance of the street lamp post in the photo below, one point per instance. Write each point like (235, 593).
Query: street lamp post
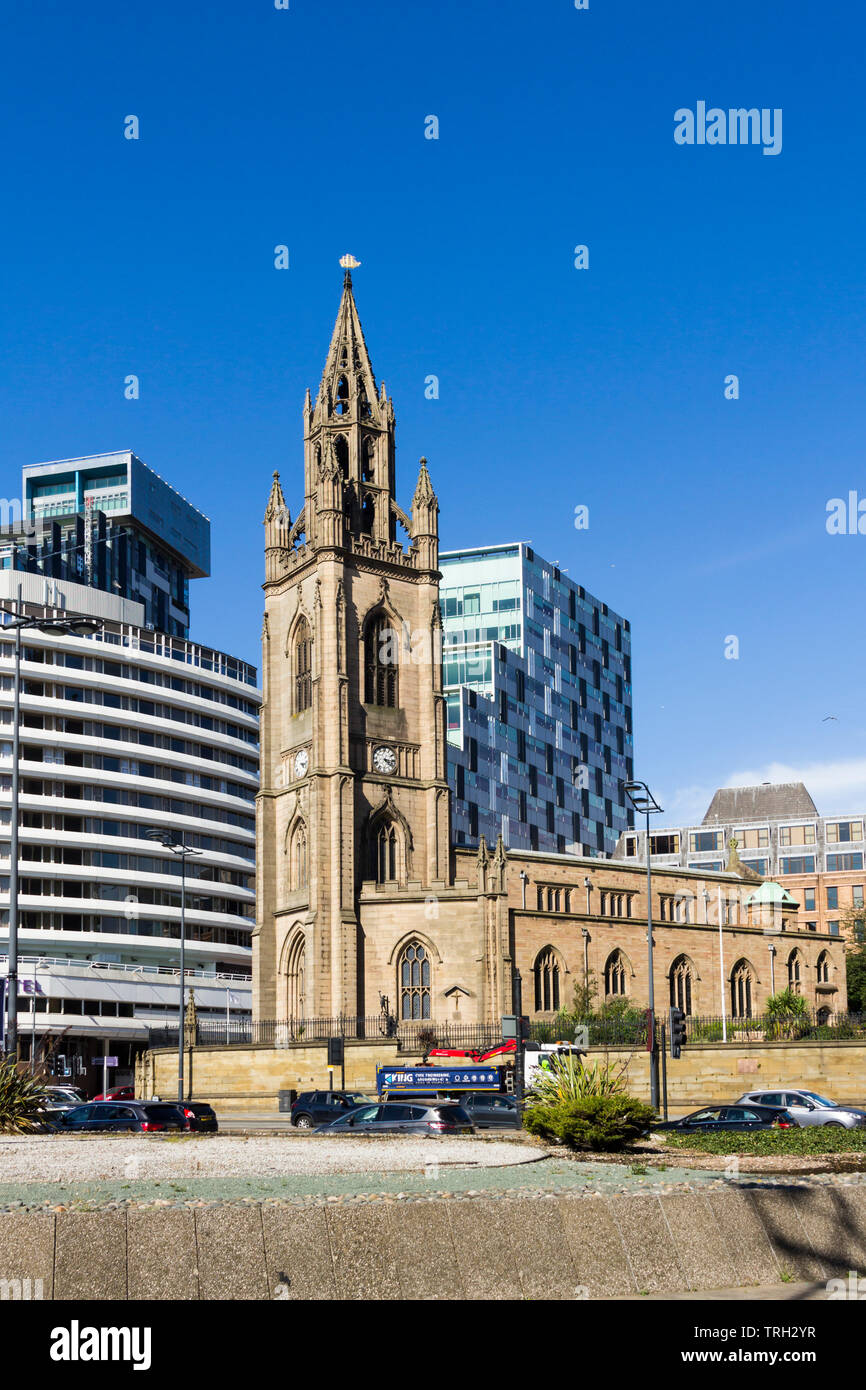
(69, 627)
(179, 847)
(645, 803)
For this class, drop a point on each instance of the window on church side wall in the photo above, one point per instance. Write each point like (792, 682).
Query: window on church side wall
(303, 667)
(823, 969)
(741, 990)
(547, 993)
(414, 982)
(681, 985)
(795, 983)
(615, 975)
(381, 655)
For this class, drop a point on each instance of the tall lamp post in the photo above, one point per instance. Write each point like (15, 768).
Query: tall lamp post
(179, 846)
(65, 627)
(645, 804)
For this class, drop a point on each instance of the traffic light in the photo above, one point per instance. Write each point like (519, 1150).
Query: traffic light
(677, 1031)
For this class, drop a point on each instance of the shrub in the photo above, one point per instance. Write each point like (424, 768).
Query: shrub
(787, 1016)
(601, 1124)
(20, 1097)
(811, 1139)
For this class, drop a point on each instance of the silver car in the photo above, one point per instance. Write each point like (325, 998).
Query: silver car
(808, 1108)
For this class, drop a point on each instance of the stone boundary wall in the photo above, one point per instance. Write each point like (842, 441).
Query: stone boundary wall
(251, 1077)
(712, 1072)
(558, 1247)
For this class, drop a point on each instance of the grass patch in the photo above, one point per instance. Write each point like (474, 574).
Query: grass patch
(816, 1139)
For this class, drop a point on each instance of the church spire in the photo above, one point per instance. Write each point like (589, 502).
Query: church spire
(348, 387)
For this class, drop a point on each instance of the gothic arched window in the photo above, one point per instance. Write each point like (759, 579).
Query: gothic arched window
(303, 667)
(742, 980)
(615, 974)
(368, 515)
(386, 852)
(823, 969)
(681, 984)
(795, 982)
(546, 970)
(368, 459)
(342, 402)
(297, 983)
(381, 655)
(298, 858)
(413, 982)
(341, 451)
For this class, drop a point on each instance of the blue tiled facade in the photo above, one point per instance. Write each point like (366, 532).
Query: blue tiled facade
(537, 675)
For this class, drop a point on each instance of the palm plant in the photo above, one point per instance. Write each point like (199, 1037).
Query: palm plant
(565, 1078)
(21, 1095)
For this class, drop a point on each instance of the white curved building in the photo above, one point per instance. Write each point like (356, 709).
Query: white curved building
(127, 731)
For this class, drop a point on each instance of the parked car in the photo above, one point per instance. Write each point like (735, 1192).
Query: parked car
(144, 1117)
(719, 1119)
(808, 1108)
(488, 1110)
(397, 1117)
(60, 1097)
(320, 1107)
(119, 1093)
(199, 1117)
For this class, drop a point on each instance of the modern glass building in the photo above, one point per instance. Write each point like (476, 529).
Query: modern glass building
(111, 523)
(135, 729)
(537, 675)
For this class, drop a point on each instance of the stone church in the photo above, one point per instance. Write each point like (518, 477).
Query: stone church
(361, 896)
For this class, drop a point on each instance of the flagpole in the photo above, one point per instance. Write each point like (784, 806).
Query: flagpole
(722, 970)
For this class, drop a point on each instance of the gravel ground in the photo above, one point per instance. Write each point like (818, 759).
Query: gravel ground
(60, 1174)
(48, 1158)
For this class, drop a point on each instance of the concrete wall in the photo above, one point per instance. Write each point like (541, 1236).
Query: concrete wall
(442, 1248)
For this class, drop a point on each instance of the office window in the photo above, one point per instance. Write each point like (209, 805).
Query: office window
(707, 840)
(804, 864)
(752, 837)
(665, 844)
(797, 834)
(809, 899)
(833, 928)
(832, 899)
(857, 895)
(841, 863)
(631, 846)
(840, 832)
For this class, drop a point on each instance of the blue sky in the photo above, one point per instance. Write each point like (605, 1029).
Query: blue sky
(558, 387)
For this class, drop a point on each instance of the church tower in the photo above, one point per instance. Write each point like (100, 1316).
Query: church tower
(354, 793)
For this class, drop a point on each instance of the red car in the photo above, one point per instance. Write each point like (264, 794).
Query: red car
(119, 1093)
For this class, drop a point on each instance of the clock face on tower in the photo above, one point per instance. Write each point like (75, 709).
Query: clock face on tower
(302, 762)
(385, 760)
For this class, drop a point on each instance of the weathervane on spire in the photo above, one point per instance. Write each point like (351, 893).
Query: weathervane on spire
(349, 264)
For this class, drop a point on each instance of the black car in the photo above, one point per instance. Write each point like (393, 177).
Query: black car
(201, 1118)
(397, 1117)
(719, 1119)
(321, 1107)
(489, 1110)
(124, 1116)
